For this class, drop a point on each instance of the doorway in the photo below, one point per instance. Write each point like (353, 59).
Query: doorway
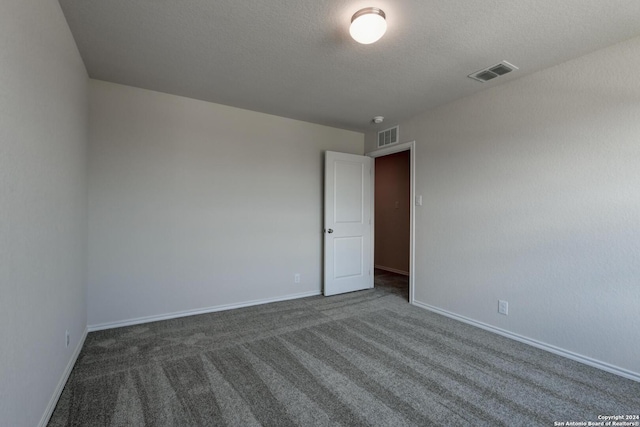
(345, 180)
(393, 209)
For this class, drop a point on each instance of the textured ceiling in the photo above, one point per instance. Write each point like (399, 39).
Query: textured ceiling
(294, 58)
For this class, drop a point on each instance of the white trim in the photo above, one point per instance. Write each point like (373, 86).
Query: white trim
(535, 343)
(177, 314)
(391, 270)
(63, 381)
(411, 146)
(372, 222)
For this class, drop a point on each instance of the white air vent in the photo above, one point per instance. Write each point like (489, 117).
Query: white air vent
(388, 137)
(492, 72)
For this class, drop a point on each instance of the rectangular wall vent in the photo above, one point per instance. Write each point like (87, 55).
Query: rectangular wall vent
(492, 72)
(388, 137)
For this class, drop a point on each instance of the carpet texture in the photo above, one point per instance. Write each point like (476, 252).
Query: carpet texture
(365, 358)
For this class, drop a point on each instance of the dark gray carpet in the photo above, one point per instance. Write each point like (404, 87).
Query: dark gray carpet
(365, 358)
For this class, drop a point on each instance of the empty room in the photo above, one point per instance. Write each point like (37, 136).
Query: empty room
(319, 213)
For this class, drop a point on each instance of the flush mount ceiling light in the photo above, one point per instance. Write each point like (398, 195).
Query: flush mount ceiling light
(368, 25)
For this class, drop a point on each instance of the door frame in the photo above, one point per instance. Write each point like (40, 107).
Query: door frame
(411, 147)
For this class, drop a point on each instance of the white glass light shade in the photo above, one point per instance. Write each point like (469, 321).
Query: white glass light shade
(368, 25)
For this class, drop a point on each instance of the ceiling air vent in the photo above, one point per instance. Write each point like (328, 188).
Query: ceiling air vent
(492, 72)
(388, 137)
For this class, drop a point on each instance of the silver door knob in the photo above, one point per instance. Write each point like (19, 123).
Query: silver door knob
(330, 231)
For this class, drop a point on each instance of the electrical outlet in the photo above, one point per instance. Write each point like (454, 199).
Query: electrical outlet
(67, 338)
(296, 278)
(503, 307)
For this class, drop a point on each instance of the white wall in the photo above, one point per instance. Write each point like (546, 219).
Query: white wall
(196, 205)
(43, 205)
(532, 194)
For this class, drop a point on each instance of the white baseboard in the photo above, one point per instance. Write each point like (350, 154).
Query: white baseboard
(541, 345)
(175, 315)
(392, 270)
(63, 381)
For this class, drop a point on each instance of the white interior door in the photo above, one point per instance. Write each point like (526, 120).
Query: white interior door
(347, 223)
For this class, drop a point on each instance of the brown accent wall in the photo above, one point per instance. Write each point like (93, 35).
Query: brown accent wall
(392, 211)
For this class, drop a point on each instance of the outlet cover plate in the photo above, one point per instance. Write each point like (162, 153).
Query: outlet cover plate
(503, 307)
